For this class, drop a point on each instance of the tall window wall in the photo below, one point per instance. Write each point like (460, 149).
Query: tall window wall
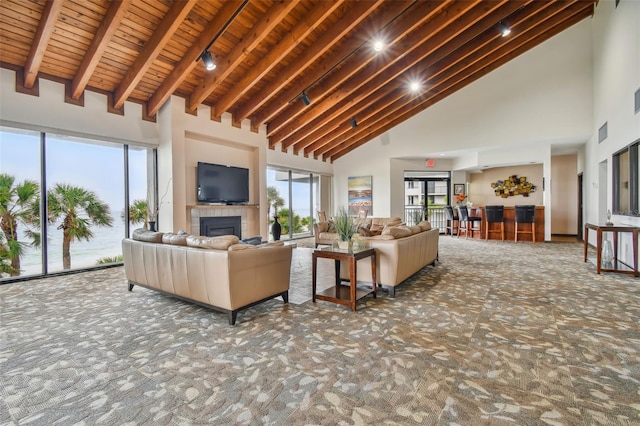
(295, 196)
(78, 214)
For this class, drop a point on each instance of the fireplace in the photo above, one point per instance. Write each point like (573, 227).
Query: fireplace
(221, 225)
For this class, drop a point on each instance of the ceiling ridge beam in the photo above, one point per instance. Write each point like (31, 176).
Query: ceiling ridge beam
(189, 60)
(160, 37)
(259, 32)
(358, 12)
(418, 105)
(283, 100)
(366, 96)
(91, 59)
(277, 53)
(50, 14)
(288, 121)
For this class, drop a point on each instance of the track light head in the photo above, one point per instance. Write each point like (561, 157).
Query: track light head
(207, 59)
(354, 123)
(305, 98)
(504, 29)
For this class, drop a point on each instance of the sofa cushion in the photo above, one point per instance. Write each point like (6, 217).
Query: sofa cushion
(221, 242)
(425, 225)
(272, 244)
(398, 231)
(174, 239)
(242, 246)
(145, 235)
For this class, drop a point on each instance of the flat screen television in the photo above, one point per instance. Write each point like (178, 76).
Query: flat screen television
(221, 184)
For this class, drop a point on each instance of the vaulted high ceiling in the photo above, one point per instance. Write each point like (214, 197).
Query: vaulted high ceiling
(268, 53)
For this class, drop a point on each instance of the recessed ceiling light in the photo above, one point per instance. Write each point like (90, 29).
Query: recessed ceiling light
(378, 45)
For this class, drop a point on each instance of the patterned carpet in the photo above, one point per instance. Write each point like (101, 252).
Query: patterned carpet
(496, 333)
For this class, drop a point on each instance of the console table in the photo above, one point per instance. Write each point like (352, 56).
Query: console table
(342, 294)
(600, 229)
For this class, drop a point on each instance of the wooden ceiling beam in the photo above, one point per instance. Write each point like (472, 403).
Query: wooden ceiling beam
(419, 104)
(356, 12)
(364, 57)
(277, 53)
(91, 59)
(465, 48)
(161, 36)
(460, 72)
(387, 11)
(190, 60)
(433, 41)
(45, 29)
(259, 32)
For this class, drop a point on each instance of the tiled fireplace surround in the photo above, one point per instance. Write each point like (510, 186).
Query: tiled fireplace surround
(198, 211)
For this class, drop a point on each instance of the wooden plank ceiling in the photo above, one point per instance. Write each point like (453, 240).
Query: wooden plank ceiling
(268, 53)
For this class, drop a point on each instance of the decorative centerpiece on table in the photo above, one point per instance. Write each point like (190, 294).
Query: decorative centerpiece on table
(345, 228)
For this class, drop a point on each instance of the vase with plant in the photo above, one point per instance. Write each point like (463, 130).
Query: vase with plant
(460, 199)
(345, 228)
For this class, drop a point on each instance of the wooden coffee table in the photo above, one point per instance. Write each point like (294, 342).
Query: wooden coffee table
(346, 295)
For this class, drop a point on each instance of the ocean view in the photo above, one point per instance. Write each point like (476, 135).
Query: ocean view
(105, 243)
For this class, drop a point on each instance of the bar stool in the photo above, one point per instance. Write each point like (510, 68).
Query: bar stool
(452, 221)
(494, 214)
(526, 214)
(467, 223)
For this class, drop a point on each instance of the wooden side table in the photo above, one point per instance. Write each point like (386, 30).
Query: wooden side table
(615, 230)
(342, 294)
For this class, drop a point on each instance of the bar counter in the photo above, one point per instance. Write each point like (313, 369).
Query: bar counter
(510, 225)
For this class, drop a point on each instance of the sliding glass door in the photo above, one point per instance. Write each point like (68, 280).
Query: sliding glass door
(294, 197)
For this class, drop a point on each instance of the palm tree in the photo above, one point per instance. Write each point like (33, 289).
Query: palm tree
(79, 209)
(138, 212)
(19, 204)
(273, 199)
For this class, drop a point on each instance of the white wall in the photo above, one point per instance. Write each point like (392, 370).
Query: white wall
(518, 112)
(49, 112)
(616, 43)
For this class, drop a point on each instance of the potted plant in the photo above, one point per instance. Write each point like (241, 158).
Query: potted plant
(345, 227)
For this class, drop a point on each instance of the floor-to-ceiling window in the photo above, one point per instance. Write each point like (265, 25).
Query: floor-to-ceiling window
(68, 197)
(295, 196)
(20, 245)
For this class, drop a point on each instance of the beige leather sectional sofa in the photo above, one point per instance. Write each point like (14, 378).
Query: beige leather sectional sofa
(401, 251)
(216, 272)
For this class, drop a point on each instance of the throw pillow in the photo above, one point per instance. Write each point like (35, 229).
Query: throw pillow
(147, 236)
(221, 242)
(376, 229)
(364, 232)
(425, 225)
(331, 227)
(398, 231)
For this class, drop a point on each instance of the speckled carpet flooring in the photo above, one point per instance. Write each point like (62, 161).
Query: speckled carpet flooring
(496, 333)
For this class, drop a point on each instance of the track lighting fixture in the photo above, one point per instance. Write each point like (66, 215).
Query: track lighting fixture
(378, 45)
(354, 123)
(504, 29)
(305, 98)
(207, 59)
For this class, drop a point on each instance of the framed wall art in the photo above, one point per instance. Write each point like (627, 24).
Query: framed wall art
(360, 195)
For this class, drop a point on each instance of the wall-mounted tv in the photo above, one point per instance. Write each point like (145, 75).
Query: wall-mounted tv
(221, 184)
